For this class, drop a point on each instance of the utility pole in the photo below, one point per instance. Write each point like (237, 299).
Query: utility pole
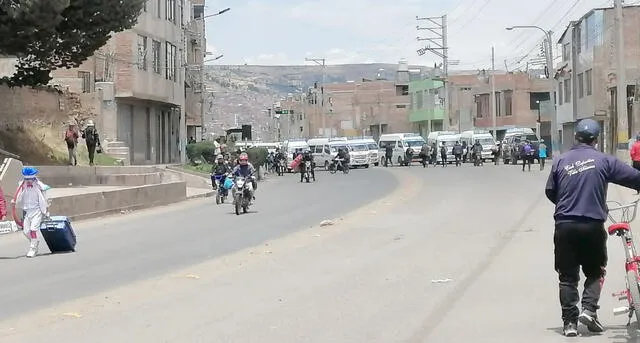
(494, 114)
(622, 122)
(321, 62)
(437, 45)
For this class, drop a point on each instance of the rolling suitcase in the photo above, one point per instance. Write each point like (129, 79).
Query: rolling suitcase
(58, 234)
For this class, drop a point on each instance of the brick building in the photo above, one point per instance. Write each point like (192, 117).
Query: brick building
(586, 74)
(518, 99)
(140, 77)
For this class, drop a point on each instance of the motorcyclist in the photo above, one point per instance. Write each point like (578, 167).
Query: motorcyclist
(245, 169)
(307, 157)
(219, 168)
(408, 155)
(457, 152)
(343, 156)
(477, 151)
(496, 152)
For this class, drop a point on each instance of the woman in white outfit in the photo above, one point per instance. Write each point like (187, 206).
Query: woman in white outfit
(32, 199)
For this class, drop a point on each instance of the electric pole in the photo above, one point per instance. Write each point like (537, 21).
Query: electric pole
(622, 122)
(494, 114)
(437, 45)
(321, 62)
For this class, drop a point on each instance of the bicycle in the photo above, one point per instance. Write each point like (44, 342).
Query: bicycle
(622, 229)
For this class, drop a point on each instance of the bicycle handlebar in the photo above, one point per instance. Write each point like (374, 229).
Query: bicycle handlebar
(628, 211)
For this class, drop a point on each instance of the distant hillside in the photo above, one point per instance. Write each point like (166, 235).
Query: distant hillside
(246, 90)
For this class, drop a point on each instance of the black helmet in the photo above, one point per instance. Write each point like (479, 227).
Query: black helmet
(587, 130)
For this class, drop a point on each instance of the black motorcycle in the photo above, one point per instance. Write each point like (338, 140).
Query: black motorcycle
(338, 164)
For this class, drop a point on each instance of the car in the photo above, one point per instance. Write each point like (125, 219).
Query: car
(511, 146)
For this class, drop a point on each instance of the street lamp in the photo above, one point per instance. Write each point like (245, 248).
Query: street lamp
(214, 59)
(555, 139)
(539, 121)
(217, 14)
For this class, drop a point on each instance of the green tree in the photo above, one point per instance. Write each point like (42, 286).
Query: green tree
(49, 34)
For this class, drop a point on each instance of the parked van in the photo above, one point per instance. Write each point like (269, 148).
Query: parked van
(449, 141)
(486, 139)
(400, 142)
(432, 137)
(290, 146)
(325, 149)
(359, 153)
(371, 145)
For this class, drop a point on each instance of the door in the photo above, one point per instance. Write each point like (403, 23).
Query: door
(125, 126)
(147, 149)
(398, 151)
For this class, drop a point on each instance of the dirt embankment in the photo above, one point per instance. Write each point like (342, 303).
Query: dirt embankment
(32, 122)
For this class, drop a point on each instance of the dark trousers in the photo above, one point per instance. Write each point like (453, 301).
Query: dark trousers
(527, 161)
(542, 160)
(387, 160)
(636, 165)
(580, 244)
(458, 159)
(443, 157)
(92, 152)
(303, 170)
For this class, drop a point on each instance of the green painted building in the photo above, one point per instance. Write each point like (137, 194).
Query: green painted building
(426, 110)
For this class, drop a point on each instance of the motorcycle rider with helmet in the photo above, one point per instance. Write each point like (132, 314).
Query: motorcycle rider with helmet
(307, 157)
(245, 169)
(220, 168)
(477, 152)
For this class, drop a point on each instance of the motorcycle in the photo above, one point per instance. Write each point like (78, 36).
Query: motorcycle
(241, 191)
(477, 159)
(282, 167)
(307, 173)
(337, 164)
(223, 184)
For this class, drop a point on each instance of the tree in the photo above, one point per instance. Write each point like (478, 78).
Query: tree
(49, 34)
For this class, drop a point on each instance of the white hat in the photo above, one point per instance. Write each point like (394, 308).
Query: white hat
(90, 123)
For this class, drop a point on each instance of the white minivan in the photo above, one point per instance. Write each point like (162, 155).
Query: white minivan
(449, 141)
(486, 139)
(290, 146)
(371, 145)
(325, 149)
(400, 142)
(359, 153)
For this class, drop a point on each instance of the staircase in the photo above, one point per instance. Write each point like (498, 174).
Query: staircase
(117, 150)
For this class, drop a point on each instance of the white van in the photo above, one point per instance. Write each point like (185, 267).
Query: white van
(400, 142)
(271, 147)
(290, 146)
(325, 149)
(433, 136)
(486, 139)
(359, 153)
(449, 141)
(371, 145)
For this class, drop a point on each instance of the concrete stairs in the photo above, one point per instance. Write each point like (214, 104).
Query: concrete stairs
(117, 150)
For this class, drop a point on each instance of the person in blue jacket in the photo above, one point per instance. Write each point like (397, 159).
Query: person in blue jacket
(245, 169)
(577, 186)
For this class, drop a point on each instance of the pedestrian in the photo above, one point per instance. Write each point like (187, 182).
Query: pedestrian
(527, 153)
(92, 139)
(32, 198)
(388, 155)
(71, 138)
(443, 154)
(634, 152)
(577, 186)
(542, 153)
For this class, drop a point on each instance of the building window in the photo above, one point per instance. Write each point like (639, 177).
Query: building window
(156, 48)
(483, 105)
(567, 90)
(580, 85)
(498, 105)
(170, 62)
(170, 10)
(411, 96)
(144, 6)
(159, 8)
(566, 51)
(85, 76)
(560, 95)
(508, 103)
(142, 52)
(588, 81)
(578, 39)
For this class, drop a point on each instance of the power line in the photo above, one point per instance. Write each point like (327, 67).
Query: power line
(480, 10)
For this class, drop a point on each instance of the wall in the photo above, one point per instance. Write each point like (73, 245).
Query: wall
(20, 106)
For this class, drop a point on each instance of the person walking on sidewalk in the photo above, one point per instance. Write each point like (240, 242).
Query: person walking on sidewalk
(542, 153)
(90, 135)
(577, 186)
(71, 138)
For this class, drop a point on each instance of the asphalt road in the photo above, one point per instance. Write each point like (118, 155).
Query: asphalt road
(120, 250)
(451, 255)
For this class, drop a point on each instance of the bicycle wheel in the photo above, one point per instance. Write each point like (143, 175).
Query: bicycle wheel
(634, 293)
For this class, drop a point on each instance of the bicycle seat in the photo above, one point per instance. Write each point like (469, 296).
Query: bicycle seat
(618, 227)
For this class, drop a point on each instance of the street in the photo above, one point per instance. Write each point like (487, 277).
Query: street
(414, 255)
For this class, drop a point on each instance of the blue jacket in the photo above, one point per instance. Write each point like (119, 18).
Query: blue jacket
(579, 180)
(244, 170)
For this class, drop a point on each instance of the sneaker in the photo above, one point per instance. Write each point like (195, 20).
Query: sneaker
(590, 320)
(33, 248)
(570, 330)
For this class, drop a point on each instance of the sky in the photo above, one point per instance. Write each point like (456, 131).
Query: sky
(285, 32)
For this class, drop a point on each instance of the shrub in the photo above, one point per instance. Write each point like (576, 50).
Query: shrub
(257, 156)
(201, 152)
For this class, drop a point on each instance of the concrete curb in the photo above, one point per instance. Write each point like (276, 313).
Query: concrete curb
(202, 195)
